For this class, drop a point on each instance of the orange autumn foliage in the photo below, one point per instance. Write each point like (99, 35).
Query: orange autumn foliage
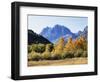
(69, 46)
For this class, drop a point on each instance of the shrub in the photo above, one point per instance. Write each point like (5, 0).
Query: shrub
(29, 49)
(46, 56)
(55, 56)
(39, 48)
(68, 54)
(34, 47)
(78, 53)
(49, 47)
(34, 56)
(63, 56)
(29, 57)
(85, 54)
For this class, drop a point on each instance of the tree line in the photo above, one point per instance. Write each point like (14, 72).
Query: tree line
(60, 50)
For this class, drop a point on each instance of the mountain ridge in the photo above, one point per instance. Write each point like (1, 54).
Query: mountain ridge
(57, 31)
(36, 38)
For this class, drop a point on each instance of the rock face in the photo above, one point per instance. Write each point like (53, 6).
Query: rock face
(84, 33)
(36, 38)
(54, 33)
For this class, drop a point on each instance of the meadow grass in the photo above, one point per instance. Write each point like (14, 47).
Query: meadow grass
(67, 61)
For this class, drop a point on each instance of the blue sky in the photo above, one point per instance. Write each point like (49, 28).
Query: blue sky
(37, 23)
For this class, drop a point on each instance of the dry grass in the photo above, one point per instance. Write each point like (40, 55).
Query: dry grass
(69, 61)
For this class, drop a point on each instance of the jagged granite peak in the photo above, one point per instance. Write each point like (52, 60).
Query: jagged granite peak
(53, 33)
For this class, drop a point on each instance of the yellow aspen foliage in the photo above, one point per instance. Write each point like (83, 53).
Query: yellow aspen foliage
(59, 46)
(69, 46)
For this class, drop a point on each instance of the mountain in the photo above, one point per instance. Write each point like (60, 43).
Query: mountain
(54, 33)
(83, 33)
(36, 38)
